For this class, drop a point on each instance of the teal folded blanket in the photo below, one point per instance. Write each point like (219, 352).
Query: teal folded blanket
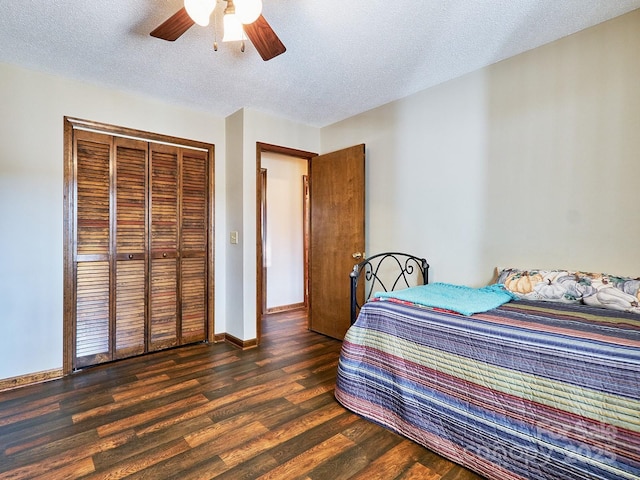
(458, 298)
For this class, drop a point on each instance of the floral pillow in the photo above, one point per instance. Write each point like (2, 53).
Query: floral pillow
(614, 292)
(546, 285)
(596, 289)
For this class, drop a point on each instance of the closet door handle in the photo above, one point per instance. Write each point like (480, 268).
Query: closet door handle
(164, 255)
(130, 256)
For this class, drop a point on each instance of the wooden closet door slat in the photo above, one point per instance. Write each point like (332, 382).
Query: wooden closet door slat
(163, 295)
(92, 313)
(194, 299)
(131, 245)
(130, 308)
(193, 232)
(131, 196)
(164, 198)
(164, 299)
(93, 153)
(92, 249)
(194, 202)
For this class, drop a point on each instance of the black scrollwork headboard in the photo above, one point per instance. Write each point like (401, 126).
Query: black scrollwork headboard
(386, 272)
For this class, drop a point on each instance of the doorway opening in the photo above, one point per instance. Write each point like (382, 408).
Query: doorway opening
(282, 246)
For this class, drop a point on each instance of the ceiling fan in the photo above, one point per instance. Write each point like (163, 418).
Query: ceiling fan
(239, 16)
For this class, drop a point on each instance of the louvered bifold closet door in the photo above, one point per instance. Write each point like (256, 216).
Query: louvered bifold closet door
(137, 249)
(193, 245)
(163, 298)
(92, 248)
(130, 246)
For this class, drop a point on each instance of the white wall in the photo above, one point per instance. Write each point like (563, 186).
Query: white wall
(234, 210)
(284, 252)
(532, 162)
(31, 200)
(248, 127)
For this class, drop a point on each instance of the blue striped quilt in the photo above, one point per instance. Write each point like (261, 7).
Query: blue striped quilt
(529, 390)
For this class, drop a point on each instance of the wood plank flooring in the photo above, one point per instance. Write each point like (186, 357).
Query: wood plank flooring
(207, 411)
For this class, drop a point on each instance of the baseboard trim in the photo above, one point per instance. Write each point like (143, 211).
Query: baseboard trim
(243, 344)
(286, 308)
(30, 379)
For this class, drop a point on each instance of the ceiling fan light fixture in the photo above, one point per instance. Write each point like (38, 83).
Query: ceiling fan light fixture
(233, 30)
(248, 11)
(200, 10)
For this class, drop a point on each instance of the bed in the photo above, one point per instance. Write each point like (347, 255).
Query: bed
(530, 389)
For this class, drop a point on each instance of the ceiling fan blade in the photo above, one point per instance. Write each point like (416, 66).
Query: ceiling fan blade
(174, 26)
(264, 39)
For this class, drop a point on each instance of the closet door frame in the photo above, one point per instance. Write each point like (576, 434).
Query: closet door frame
(69, 227)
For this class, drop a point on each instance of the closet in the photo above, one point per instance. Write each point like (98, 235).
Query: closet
(138, 244)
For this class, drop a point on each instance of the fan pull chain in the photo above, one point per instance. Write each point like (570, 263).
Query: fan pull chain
(215, 33)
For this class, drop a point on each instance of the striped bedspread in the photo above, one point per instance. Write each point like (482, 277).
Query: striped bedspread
(524, 391)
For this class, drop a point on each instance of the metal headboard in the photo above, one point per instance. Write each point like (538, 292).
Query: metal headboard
(370, 268)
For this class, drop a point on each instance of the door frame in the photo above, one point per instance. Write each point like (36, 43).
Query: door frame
(260, 272)
(262, 234)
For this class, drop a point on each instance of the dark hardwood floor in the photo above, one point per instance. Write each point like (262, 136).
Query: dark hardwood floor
(207, 411)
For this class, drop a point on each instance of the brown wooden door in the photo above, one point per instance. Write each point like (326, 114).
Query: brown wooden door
(130, 247)
(110, 259)
(193, 246)
(163, 299)
(337, 195)
(91, 255)
(179, 239)
(140, 247)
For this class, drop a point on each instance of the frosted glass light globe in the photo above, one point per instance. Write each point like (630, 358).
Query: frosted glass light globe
(200, 10)
(248, 11)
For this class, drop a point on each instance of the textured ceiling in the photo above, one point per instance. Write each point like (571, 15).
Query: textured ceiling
(343, 57)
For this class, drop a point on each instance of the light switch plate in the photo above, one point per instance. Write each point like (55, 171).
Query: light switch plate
(233, 237)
